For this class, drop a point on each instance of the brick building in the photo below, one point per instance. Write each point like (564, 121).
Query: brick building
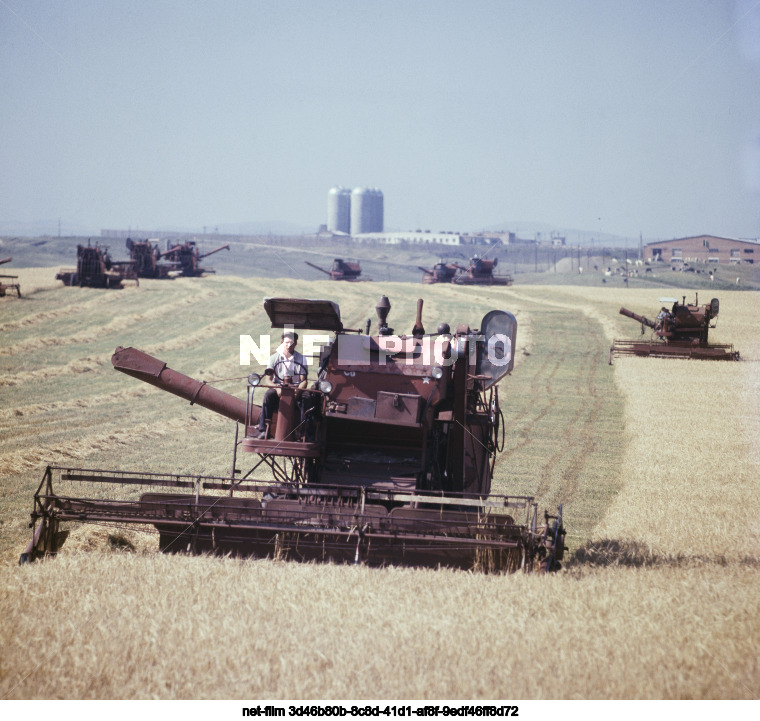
(703, 249)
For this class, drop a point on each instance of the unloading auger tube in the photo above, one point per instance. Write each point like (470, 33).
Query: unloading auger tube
(386, 458)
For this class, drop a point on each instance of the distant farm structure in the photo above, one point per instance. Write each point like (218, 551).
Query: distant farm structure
(702, 249)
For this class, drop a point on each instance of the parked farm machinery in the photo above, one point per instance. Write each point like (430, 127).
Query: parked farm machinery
(680, 331)
(341, 270)
(96, 269)
(4, 286)
(387, 458)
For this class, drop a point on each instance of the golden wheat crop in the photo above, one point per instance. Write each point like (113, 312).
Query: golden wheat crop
(127, 626)
(656, 463)
(692, 455)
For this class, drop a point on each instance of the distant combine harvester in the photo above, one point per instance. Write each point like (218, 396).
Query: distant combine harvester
(341, 270)
(479, 272)
(179, 261)
(96, 269)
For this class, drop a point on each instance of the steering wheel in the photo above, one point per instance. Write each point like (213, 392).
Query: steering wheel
(298, 369)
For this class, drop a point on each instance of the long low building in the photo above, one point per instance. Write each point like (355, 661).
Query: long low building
(419, 237)
(426, 237)
(703, 249)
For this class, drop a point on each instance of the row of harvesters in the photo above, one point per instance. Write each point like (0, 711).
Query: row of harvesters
(479, 272)
(12, 285)
(96, 269)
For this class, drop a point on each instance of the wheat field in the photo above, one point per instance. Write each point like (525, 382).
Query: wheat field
(656, 463)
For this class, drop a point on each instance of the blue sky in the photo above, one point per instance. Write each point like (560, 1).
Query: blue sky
(611, 115)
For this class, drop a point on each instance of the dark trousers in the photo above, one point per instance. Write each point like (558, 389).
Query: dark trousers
(269, 407)
(308, 405)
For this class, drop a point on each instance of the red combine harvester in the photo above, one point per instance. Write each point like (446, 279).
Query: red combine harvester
(481, 272)
(387, 458)
(183, 260)
(341, 270)
(96, 269)
(146, 257)
(441, 272)
(677, 332)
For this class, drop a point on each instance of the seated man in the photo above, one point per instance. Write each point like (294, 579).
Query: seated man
(286, 361)
(662, 316)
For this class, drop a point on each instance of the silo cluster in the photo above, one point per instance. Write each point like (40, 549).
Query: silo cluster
(355, 211)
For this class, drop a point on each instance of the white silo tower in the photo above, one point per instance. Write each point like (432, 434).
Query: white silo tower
(371, 216)
(377, 211)
(339, 210)
(360, 210)
(366, 210)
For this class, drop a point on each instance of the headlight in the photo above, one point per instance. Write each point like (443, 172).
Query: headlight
(325, 386)
(254, 379)
(437, 372)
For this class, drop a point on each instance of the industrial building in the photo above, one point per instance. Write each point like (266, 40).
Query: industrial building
(702, 249)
